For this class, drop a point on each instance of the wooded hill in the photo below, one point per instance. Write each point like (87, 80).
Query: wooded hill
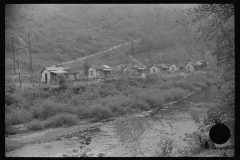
(66, 32)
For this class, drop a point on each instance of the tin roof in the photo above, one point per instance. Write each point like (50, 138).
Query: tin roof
(53, 69)
(58, 72)
(104, 67)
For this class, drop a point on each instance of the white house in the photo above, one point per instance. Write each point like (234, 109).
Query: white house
(49, 72)
(98, 71)
(173, 68)
(154, 69)
(199, 62)
(190, 67)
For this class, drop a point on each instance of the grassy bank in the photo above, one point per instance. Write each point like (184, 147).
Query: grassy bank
(43, 108)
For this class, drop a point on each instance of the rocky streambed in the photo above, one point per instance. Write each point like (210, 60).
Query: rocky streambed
(101, 136)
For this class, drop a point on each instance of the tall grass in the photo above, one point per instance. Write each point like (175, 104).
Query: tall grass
(61, 120)
(48, 109)
(113, 97)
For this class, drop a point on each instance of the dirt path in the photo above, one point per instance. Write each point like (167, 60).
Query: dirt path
(51, 143)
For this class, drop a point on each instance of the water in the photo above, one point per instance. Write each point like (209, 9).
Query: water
(204, 96)
(183, 105)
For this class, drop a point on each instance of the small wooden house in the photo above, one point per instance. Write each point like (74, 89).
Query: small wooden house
(157, 68)
(199, 62)
(135, 70)
(98, 71)
(154, 69)
(173, 68)
(192, 67)
(48, 73)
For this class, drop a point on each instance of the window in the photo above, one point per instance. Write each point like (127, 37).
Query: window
(91, 73)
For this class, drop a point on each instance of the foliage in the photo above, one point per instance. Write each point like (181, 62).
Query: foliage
(150, 97)
(92, 28)
(35, 125)
(130, 129)
(206, 20)
(61, 120)
(86, 67)
(48, 109)
(99, 111)
(18, 116)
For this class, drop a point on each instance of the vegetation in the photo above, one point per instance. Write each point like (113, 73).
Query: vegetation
(101, 101)
(213, 26)
(92, 28)
(130, 129)
(61, 120)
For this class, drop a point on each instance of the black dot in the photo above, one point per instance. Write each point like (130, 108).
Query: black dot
(219, 133)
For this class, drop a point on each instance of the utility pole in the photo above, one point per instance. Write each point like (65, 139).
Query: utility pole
(19, 73)
(30, 53)
(13, 57)
(149, 58)
(29, 47)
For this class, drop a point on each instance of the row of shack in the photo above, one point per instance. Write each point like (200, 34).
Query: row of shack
(103, 71)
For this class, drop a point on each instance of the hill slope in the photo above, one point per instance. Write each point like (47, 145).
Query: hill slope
(60, 33)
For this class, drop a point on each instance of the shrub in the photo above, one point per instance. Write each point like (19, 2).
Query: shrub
(18, 116)
(35, 125)
(31, 95)
(61, 120)
(82, 112)
(184, 85)
(99, 111)
(48, 109)
(151, 97)
(130, 129)
(137, 104)
(9, 129)
(11, 99)
(194, 114)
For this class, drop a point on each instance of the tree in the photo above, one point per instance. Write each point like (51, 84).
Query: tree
(206, 21)
(61, 80)
(86, 66)
(210, 24)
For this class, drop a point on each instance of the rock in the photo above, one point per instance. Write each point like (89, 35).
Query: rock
(75, 150)
(75, 138)
(101, 155)
(47, 146)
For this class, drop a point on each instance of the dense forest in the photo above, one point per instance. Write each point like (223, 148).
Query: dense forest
(59, 33)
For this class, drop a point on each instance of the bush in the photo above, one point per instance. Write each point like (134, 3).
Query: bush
(48, 109)
(31, 95)
(99, 111)
(194, 114)
(61, 120)
(9, 129)
(35, 125)
(151, 97)
(11, 99)
(18, 116)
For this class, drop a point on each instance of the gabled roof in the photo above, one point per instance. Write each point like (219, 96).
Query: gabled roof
(173, 64)
(103, 67)
(97, 66)
(193, 64)
(180, 65)
(58, 69)
(168, 65)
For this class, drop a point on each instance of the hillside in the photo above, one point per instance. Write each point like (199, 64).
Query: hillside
(60, 33)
